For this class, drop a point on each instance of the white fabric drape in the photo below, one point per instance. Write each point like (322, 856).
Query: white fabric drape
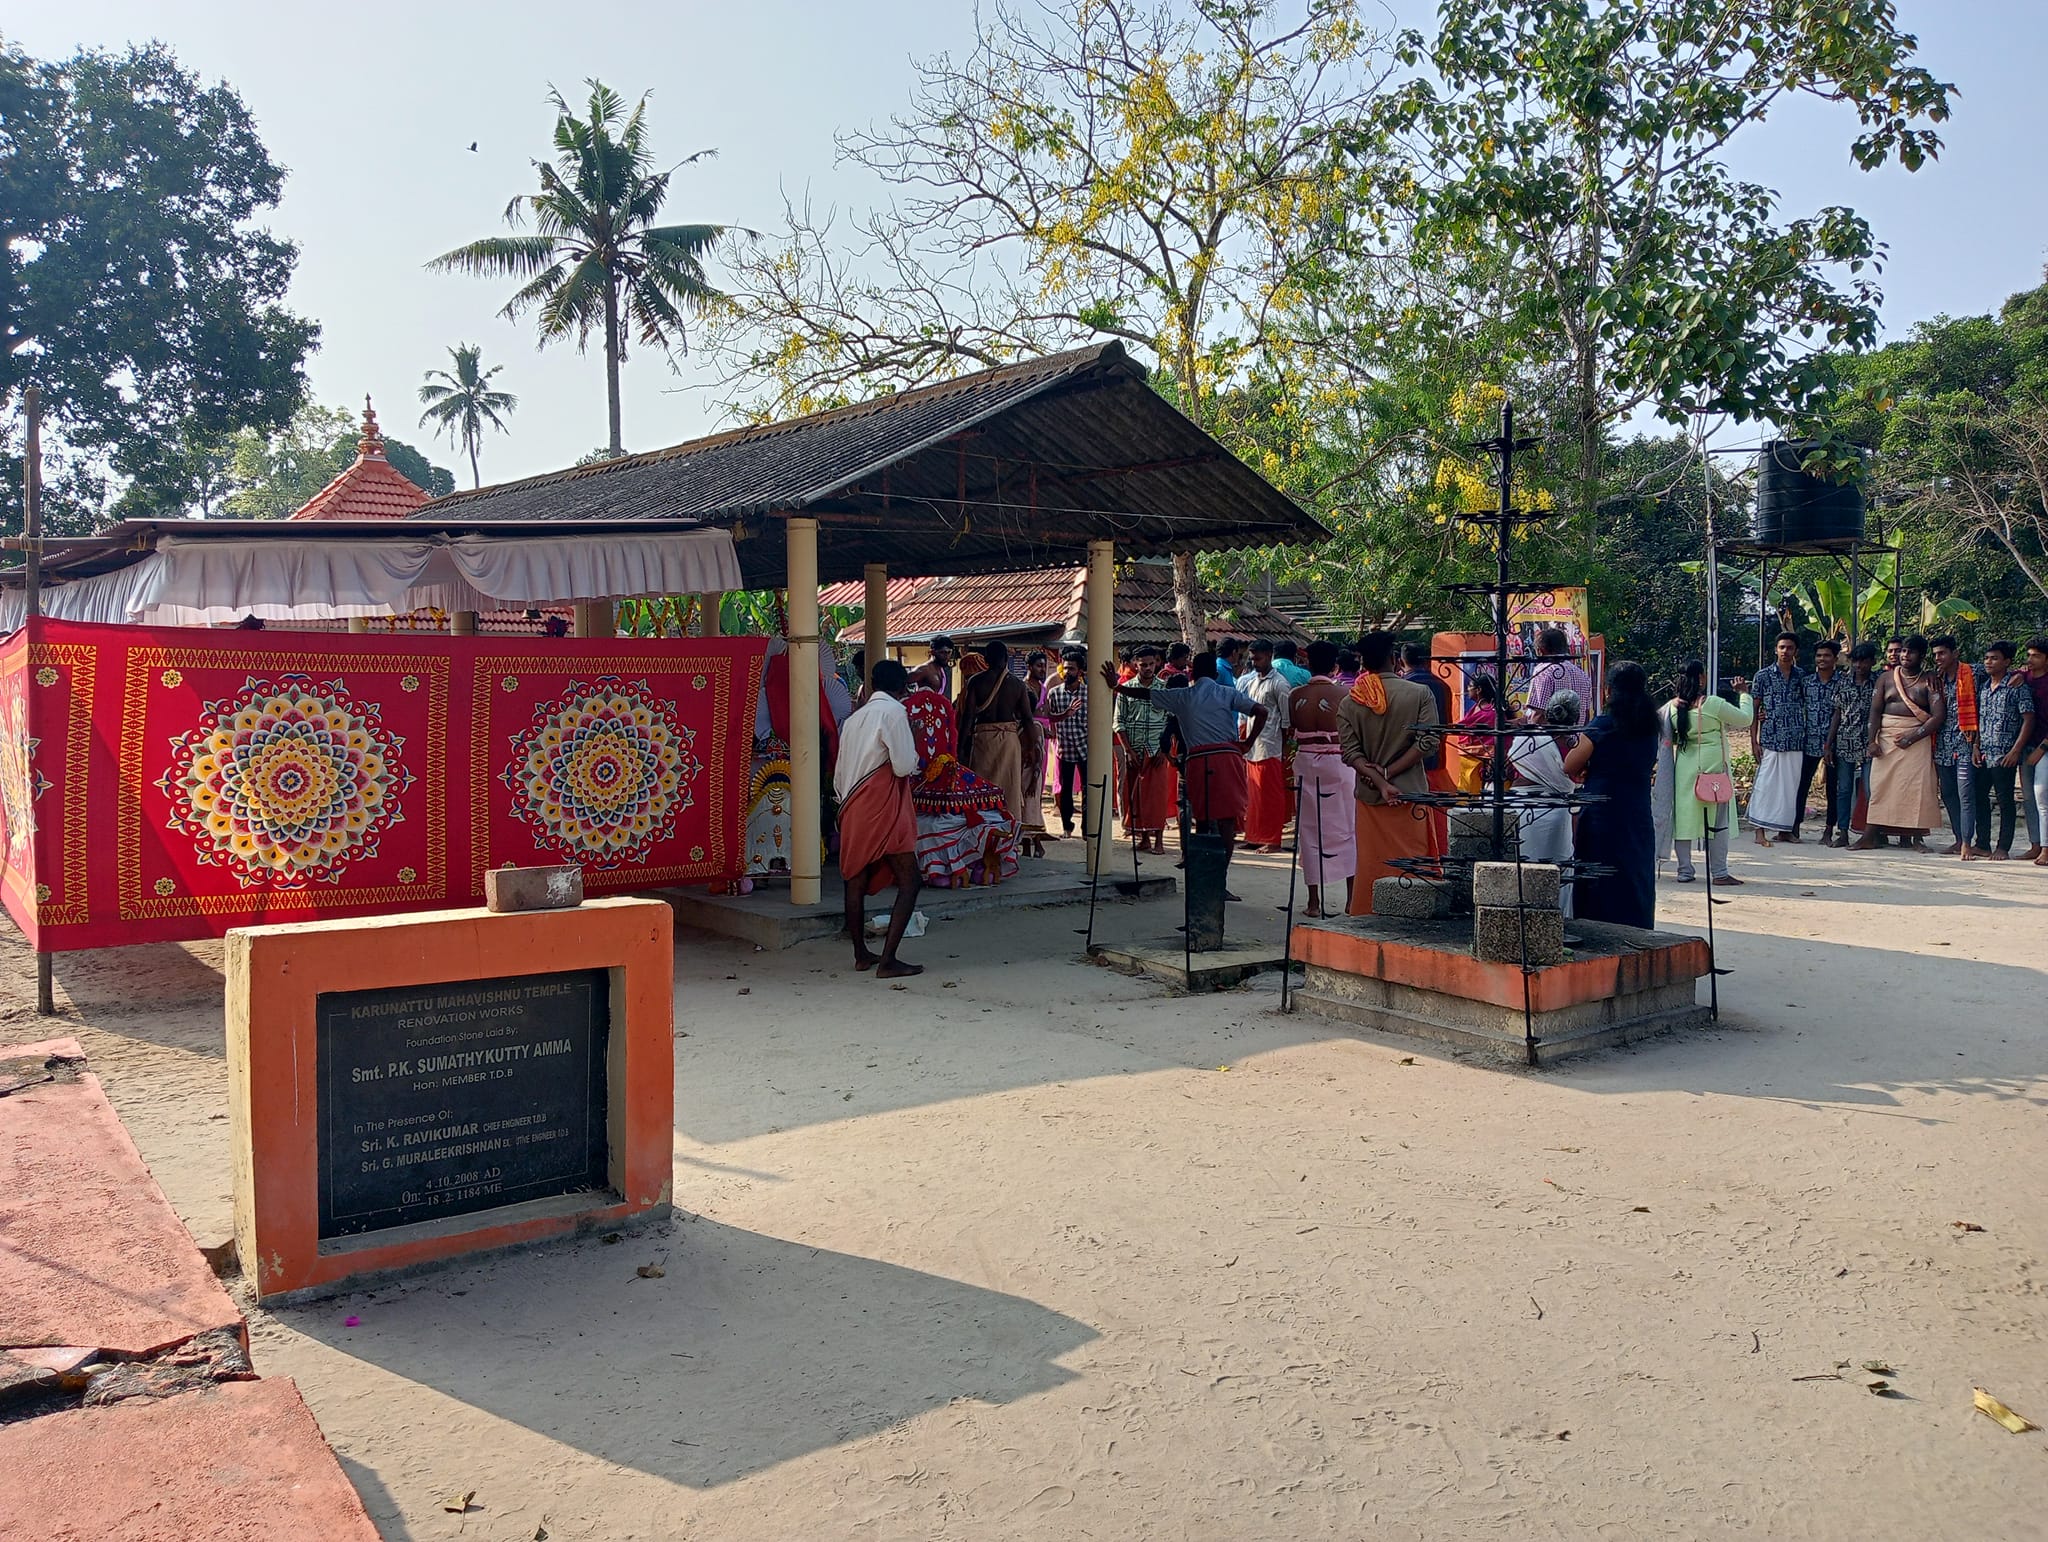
(192, 581)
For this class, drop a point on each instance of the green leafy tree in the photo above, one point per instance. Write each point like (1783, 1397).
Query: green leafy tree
(597, 261)
(1958, 415)
(1162, 175)
(460, 402)
(1584, 139)
(136, 288)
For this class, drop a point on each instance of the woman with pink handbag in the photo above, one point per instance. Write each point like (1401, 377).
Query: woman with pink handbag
(1703, 801)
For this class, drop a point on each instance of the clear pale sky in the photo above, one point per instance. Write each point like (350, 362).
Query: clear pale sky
(371, 108)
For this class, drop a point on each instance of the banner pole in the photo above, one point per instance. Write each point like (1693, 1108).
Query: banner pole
(32, 605)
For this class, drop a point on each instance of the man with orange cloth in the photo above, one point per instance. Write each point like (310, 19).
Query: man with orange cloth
(874, 776)
(1386, 728)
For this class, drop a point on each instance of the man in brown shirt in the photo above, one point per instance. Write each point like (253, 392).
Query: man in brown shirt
(1386, 728)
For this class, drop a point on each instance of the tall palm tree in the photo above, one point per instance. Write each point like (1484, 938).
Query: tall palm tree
(597, 258)
(461, 402)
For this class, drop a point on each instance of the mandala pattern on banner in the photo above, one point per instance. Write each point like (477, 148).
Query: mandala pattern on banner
(286, 782)
(21, 784)
(603, 772)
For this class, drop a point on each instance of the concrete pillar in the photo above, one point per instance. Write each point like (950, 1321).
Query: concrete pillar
(806, 754)
(596, 618)
(1101, 700)
(462, 623)
(876, 641)
(713, 600)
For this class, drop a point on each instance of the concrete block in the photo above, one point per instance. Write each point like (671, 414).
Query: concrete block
(510, 890)
(1498, 935)
(1418, 899)
(1538, 884)
(1477, 822)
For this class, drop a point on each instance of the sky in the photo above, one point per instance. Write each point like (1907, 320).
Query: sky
(372, 107)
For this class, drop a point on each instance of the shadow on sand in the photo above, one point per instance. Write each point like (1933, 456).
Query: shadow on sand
(750, 1351)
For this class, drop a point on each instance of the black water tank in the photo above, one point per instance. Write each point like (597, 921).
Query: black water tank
(1794, 508)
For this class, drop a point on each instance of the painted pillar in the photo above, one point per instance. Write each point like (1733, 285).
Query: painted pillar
(714, 602)
(462, 623)
(596, 618)
(358, 626)
(1101, 700)
(876, 641)
(806, 754)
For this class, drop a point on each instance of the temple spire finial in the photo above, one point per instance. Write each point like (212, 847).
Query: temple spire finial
(372, 442)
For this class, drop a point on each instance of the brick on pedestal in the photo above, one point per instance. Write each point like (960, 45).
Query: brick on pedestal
(1498, 933)
(1417, 899)
(511, 890)
(1536, 884)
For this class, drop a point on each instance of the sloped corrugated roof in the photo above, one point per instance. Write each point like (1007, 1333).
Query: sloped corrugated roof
(1005, 469)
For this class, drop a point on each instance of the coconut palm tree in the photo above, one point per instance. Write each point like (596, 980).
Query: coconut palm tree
(460, 402)
(597, 259)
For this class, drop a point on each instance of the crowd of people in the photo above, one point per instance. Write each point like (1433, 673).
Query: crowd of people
(1346, 744)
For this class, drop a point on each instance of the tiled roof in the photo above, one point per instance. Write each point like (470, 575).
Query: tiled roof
(1052, 600)
(372, 488)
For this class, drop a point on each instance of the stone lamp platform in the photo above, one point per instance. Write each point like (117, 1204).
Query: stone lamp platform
(1419, 977)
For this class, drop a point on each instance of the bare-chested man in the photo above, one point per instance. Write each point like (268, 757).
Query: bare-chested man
(1906, 709)
(1326, 822)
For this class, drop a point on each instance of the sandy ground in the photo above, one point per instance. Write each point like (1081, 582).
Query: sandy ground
(1029, 1249)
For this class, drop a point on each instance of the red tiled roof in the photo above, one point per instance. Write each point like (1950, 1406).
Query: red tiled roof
(372, 488)
(1052, 600)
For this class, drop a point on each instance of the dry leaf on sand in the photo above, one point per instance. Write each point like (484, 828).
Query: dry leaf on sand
(458, 1503)
(1990, 1406)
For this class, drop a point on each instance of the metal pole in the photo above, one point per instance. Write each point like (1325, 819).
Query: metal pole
(32, 603)
(1094, 867)
(1713, 576)
(1293, 865)
(1502, 578)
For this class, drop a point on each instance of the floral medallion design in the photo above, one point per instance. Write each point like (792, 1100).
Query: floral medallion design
(286, 782)
(21, 784)
(603, 772)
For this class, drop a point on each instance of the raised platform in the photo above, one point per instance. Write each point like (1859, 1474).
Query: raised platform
(1166, 958)
(768, 920)
(129, 1411)
(1419, 978)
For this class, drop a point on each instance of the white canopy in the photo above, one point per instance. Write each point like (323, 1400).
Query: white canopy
(192, 581)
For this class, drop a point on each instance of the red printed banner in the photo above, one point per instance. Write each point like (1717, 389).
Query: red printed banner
(163, 783)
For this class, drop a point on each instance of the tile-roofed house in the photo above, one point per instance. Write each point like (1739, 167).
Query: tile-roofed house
(372, 488)
(1046, 605)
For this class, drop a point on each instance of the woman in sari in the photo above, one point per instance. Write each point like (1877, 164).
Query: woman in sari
(1538, 767)
(997, 726)
(1618, 756)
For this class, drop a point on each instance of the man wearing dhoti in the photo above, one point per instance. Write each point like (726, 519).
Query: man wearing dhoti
(1207, 712)
(874, 776)
(1385, 728)
(1777, 737)
(1150, 787)
(1326, 821)
(1906, 712)
(1266, 812)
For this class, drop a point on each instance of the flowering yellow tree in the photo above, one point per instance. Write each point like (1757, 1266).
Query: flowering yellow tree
(1174, 178)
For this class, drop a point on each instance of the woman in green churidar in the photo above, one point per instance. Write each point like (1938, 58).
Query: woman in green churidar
(1697, 725)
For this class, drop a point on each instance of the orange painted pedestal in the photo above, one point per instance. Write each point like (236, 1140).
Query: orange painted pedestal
(275, 978)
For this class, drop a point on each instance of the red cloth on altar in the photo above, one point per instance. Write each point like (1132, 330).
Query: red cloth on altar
(1218, 787)
(775, 681)
(877, 820)
(1265, 820)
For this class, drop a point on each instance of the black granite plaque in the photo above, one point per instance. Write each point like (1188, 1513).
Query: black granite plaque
(441, 1100)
